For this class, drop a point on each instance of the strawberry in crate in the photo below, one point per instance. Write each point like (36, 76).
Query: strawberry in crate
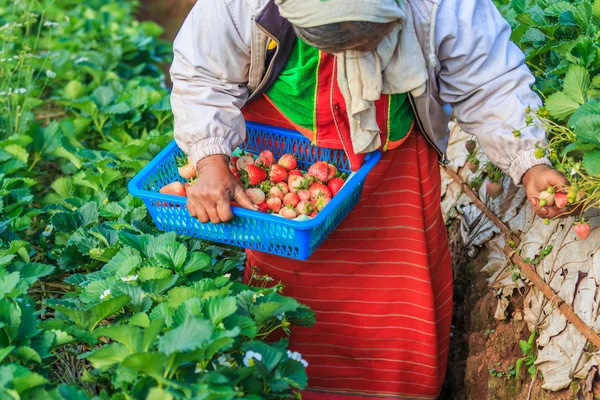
(279, 187)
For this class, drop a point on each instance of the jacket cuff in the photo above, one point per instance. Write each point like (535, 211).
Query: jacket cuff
(523, 163)
(209, 147)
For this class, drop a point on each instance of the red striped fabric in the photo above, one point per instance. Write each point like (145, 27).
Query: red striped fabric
(381, 286)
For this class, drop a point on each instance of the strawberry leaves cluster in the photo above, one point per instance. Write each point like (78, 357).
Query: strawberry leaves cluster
(280, 187)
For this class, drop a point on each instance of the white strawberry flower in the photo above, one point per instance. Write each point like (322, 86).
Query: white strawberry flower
(51, 74)
(48, 230)
(225, 361)
(227, 276)
(129, 278)
(294, 355)
(105, 294)
(199, 369)
(575, 169)
(250, 356)
(280, 316)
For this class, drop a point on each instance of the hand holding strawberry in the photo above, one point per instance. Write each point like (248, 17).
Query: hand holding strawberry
(537, 180)
(209, 199)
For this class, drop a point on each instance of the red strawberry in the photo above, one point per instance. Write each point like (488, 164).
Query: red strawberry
(233, 160)
(295, 183)
(244, 161)
(288, 161)
(560, 200)
(471, 146)
(174, 188)
(277, 173)
(233, 169)
(256, 195)
(288, 212)
(187, 171)
(276, 192)
(333, 171)
(319, 170)
(303, 195)
(295, 172)
(318, 189)
(313, 214)
(304, 207)
(256, 174)
(335, 185)
(284, 187)
(493, 189)
(582, 229)
(320, 202)
(263, 207)
(266, 158)
(234, 203)
(274, 204)
(291, 199)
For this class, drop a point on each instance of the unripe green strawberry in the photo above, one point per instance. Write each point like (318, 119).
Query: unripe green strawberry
(540, 152)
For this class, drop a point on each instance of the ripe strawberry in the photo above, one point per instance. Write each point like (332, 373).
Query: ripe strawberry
(274, 204)
(303, 195)
(319, 170)
(256, 195)
(187, 171)
(493, 189)
(277, 173)
(266, 158)
(256, 174)
(291, 199)
(318, 189)
(288, 212)
(233, 160)
(295, 172)
(582, 229)
(276, 192)
(335, 185)
(333, 171)
(263, 207)
(284, 187)
(304, 207)
(320, 202)
(244, 161)
(234, 203)
(295, 183)
(288, 161)
(560, 200)
(233, 169)
(471, 146)
(313, 214)
(174, 188)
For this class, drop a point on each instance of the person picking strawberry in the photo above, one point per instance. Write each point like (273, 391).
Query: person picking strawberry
(359, 75)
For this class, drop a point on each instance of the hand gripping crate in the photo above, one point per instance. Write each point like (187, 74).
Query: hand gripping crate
(251, 229)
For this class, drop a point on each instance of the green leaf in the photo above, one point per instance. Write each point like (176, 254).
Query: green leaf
(583, 15)
(587, 129)
(74, 90)
(265, 311)
(10, 320)
(5, 352)
(533, 35)
(270, 355)
(180, 294)
(191, 335)
(591, 163)
(162, 312)
(8, 282)
(29, 381)
(152, 364)
(561, 106)
(245, 324)
(294, 374)
(63, 187)
(151, 273)
(26, 355)
(140, 320)
(103, 96)
(172, 255)
(579, 146)
(197, 261)
(68, 392)
(120, 108)
(596, 11)
(88, 319)
(125, 261)
(151, 333)
(157, 393)
(576, 83)
(157, 286)
(108, 355)
(127, 335)
(218, 308)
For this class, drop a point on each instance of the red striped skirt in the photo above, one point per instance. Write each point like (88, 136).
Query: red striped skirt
(381, 287)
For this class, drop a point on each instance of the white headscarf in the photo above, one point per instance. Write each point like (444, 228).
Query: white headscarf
(397, 65)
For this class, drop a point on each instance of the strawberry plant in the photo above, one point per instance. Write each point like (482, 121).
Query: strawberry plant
(94, 301)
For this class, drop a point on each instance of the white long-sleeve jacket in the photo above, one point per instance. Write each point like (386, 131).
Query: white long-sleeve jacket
(474, 70)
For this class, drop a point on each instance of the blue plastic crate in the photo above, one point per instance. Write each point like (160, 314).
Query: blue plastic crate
(252, 229)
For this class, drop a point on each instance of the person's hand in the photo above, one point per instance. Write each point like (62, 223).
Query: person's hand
(538, 179)
(209, 198)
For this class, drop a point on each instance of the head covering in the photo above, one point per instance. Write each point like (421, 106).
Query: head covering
(397, 65)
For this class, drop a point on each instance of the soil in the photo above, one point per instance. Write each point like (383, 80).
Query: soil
(479, 343)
